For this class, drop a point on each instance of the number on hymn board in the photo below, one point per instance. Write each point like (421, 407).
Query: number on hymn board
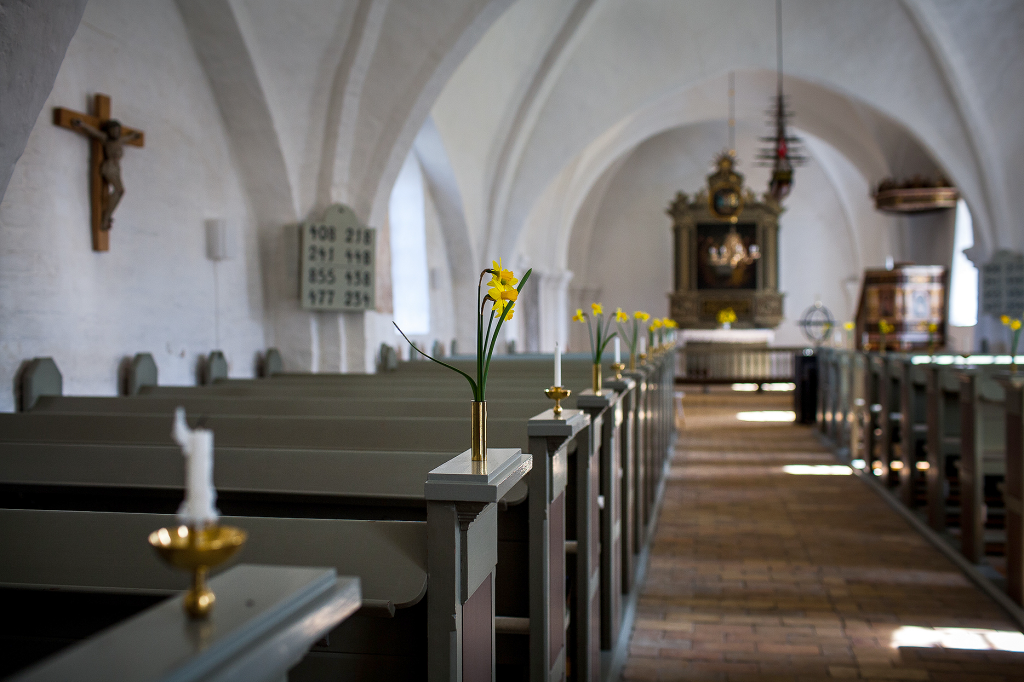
(338, 269)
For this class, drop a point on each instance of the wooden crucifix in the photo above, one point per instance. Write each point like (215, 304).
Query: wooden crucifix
(108, 138)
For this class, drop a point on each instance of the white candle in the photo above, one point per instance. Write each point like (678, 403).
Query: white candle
(198, 508)
(618, 353)
(558, 365)
(643, 344)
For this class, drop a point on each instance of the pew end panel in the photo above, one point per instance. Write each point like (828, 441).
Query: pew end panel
(551, 439)
(462, 522)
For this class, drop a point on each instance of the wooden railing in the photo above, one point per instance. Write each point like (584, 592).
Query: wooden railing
(736, 365)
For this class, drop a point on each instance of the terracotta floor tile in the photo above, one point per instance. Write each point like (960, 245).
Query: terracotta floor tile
(757, 574)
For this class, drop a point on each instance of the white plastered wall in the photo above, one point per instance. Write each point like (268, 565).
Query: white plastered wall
(154, 290)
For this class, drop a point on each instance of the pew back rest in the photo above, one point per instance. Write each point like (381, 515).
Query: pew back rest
(360, 433)
(395, 477)
(111, 553)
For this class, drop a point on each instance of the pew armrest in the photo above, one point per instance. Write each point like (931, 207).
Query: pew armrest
(568, 425)
(265, 620)
(462, 480)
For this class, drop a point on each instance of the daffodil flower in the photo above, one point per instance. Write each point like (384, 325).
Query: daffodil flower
(503, 293)
(1014, 325)
(671, 324)
(656, 324)
(1005, 319)
(599, 340)
(641, 316)
(620, 316)
(848, 326)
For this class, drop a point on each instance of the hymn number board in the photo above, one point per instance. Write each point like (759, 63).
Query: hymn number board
(339, 256)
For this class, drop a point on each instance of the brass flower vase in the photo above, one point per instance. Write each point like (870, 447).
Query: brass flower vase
(479, 445)
(197, 550)
(632, 362)
(597, 378)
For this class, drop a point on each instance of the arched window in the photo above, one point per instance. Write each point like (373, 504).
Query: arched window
(409, 279)
(963, 278)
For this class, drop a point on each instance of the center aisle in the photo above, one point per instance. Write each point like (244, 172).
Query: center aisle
(759, 573)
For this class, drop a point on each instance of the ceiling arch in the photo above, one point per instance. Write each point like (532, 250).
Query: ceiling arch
(627, 59)
(874, 145)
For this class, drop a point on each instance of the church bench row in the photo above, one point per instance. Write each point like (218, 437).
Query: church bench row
(317, 405)
(317, 392)
(959, 423)
(446, 384)
(266, 619)
(251, 481)
(454, 550)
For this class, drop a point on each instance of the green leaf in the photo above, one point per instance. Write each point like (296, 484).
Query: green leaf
(472, 384)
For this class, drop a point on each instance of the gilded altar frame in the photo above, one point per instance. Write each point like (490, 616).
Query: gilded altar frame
(696, 307)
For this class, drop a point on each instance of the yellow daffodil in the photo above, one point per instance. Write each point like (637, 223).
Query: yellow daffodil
(848, 326)
(726, 316)
(932, 327)
(1014, 325)
(1005, 319)
(641, 315)
(596, 307)
(671, 324)
(500, 296)
(578, 317)
(657, 324)
(620, 316)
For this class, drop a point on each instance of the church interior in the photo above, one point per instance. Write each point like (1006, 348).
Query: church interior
(252, 252)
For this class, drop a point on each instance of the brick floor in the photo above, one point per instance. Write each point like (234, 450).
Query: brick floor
(758, 574)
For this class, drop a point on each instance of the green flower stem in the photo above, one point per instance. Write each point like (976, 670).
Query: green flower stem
(590, 334)
(506, 309)
(472, 384)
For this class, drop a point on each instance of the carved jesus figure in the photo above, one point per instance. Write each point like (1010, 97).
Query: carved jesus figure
(109, 135)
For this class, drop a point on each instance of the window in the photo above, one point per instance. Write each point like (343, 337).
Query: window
(963, 279)
(409, 278)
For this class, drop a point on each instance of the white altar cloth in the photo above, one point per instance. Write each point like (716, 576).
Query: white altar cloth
(765, 336)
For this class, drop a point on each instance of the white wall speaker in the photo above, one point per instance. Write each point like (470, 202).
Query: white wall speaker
(219, 240)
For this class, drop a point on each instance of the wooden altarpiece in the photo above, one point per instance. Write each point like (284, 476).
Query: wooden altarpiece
(723, 215)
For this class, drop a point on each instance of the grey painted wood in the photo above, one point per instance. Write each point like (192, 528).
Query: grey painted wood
(273, 363)
(265, 619)
(216, 367)
(39, 377)
(357, 433)
(111, 553)
(198, 403)
(284, 471)
(462, 480)
(142, 372)
(606, 408)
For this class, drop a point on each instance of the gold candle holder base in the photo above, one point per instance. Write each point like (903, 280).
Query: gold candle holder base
(558, 394)
(617, 367)
(643, 359)
(197, 550)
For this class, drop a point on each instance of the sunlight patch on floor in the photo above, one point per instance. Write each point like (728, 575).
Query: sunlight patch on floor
(958, 638)
(818, 469)
(767, 416)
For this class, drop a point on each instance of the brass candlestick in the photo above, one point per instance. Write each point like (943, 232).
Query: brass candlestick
(558, 394)
(197, 550)
(643, 358)
(617, 367)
